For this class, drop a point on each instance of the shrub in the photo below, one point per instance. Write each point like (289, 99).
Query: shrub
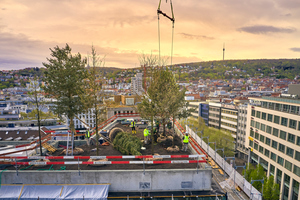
(127, 144)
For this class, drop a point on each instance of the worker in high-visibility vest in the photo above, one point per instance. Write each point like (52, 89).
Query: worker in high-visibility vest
(185, 141)
(87, 134)
(146, 135)
(132, 125)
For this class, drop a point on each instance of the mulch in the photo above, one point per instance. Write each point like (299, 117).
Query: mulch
(159, 148)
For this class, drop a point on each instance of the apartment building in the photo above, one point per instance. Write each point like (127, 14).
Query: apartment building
(137, 84)
(273, 135)
(241, 132)
(201, 109)
(224, 117)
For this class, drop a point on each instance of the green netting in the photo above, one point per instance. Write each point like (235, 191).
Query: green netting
(128, 144)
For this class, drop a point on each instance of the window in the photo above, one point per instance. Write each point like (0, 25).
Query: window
(291, 138)
(255, 146)
(251, 133)
(288, 165)
(296, 170)
(269, 129)
(257, 125)
(274, 144)
(275, 132)
(261, 149)
(263, 127)
(290, 152)
(293, 124)
(283, 135)
(273, 156)
(298, 126)
(258, 114)
(281, 148)
(276, 119)
(267, 152)
(268, 141)
(272, 170)
(250, 143)
(270, 117)
(252, 123)
(280, 160)
(279, 176)
(253, 113)
(297, 155)
(263, 116)
(284, 121)
(298, 141)
(262, 138)
(256, 135)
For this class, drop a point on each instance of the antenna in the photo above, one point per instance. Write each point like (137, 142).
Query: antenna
(223, 50)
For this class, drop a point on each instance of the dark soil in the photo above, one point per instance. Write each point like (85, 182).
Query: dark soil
(159, 148)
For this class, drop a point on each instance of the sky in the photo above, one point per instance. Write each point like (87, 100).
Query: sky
(123, 30)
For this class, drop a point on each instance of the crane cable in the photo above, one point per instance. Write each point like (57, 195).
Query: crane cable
(173, 21)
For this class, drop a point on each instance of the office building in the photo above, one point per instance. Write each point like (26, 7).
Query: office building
(274, 139)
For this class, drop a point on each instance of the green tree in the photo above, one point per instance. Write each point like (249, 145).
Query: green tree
(64, 81)
(93, 98)
(271, 189)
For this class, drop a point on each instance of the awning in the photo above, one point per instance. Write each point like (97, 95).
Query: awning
(90, 192)
(51, 192)
(10, 192)
(44, 192)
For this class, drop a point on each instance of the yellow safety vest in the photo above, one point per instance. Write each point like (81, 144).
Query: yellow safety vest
(186, 139)
(133, 124)
(88, 134)
(146, 132)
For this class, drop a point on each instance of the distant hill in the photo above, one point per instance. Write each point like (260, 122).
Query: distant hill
(278, 68)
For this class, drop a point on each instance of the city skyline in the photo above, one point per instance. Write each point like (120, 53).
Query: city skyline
(124, 29)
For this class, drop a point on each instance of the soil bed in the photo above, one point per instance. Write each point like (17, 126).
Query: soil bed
(159, 148)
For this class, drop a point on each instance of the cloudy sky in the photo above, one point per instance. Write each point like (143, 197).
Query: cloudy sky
(121, 30)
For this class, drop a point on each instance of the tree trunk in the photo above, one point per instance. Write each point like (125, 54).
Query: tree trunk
(39, 123)
(173, 142)
(164, 127)
(97, 135)
(152, 136)
(72, 134)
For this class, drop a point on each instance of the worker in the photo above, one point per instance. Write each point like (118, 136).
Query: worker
(87, 134)
(132, 125)
(185, 141)
(146, 135)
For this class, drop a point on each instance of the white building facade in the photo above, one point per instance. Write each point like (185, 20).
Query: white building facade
(137, 84)
(274, 139)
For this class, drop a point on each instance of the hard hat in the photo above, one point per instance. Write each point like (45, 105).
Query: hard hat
(186, 133)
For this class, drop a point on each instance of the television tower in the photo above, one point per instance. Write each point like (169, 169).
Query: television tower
(223, 50)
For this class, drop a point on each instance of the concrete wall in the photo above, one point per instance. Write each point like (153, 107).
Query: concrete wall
(121, 181)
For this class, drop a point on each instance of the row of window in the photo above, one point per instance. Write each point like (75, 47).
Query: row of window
(229, 112)
(276, 119)
(281, 107)
(268, 153)
(276, 132)
(228, 124)
(229, 118)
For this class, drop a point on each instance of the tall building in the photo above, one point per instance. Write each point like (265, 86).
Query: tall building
(137, 84)
(241, 132)
(274, 139)
(224, 117)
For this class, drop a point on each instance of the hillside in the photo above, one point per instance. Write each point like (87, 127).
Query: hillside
(278, 68)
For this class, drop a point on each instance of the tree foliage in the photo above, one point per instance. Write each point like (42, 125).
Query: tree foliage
(64, 81)
(223, 139)
(127, 144)
(93, 97)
